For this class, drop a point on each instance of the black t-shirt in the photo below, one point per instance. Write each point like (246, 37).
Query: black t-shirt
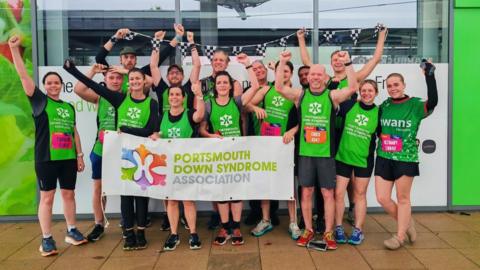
(38, 101)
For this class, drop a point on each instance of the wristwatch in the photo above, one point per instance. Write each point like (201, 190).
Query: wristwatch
(80, 154)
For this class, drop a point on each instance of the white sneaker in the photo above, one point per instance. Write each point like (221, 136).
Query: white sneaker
(294, 231)
(262, 228)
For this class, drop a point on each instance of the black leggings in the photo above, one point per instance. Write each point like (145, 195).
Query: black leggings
(134, 207)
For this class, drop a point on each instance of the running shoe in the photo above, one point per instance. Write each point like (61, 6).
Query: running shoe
(48, 247)
(294, 231)
(357, 237)
(305, 238)
(130, 242)
(330, 240)
(222, 237)
(194, 241)
(184, 222)
(165, 224)
(141, 241)
(172, 242)
(262, 228)
(74, 237)
(96, 233)
(214, 221)
(351, 216)
(320, 226)
(340, 236)
(237, 237)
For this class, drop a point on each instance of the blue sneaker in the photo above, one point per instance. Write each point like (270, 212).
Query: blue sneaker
(340, 236)
(75, 237)
(357, 237)
(48, 247)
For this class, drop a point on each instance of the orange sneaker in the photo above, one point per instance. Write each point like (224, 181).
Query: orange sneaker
(305, 238)
(330, 240)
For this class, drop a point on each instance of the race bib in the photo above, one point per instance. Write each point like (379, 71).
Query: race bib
(61, 140)
(315, 135)
(101, 135)
(268, 129)
(391, 143)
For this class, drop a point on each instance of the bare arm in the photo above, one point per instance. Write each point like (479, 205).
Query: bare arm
(259, 95)
(377, 57)
(195, 73)
(78, 148)
(154, 58)
(27, 82)
(345, 93)
(285, 90)
(83, 91)
(289, 135)
(199, 113)
(303, 48)
(254, 85)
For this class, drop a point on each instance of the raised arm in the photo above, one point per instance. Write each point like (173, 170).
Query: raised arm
(195, 73)
(154, 58)
(247, 96)
(303, 48)
(432, 92)
(83, 91)
(285, 90)
(363, 73)
(27, 82)
(101, 56)
(114, 98)
(345, 93)
(199, 113)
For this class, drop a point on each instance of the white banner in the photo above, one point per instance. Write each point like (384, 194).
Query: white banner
(198, 169)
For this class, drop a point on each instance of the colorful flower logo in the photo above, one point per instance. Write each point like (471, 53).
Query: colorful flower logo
(139, 159)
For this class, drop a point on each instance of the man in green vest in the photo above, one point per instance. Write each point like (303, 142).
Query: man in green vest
(317, 106)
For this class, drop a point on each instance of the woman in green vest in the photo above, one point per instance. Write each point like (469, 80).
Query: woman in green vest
(397, 151)
(276, 114)
(223, 119)
(180, 122)
(137, 114)
(106, 115)
(58, 152)
(356, 155)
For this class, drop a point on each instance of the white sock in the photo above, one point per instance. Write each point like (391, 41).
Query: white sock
(70, 227)
(47, 235)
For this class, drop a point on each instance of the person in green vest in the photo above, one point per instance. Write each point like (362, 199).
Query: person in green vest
(175, 76)
(137, 114)
(128, 55)
(317, 106)
(397, 151)
(339, 81)
(223, 119)
(105, 121)
(275, 116)
(355, 156)
(58, 151)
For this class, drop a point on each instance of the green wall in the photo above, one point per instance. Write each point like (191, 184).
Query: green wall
(466, 109)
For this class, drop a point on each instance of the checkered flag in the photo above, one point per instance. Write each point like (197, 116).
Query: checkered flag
(283, 42)
(328, 35)
(184, 49)
(378, 28)
(261, 49)
(156, 43)
(130, 35)
(237, 50)
(208, 51)
(354, 35)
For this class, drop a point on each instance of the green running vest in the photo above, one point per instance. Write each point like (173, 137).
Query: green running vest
(277, 109)
(179, 129)
(61, 125)
(356, 138)
(132, 114)
(315, 124)
(225, 119)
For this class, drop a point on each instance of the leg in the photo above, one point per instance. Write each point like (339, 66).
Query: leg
(404, 210)
(340, 189)
(141, 211)
(128, 211)
(173, 214)
(266, 210)
(45, 211)
(307, 193)
(191, 215)
(97, 202)
(224, 209)
(328, 198)
(237, 211)
(383, 190)
(69, 207)
(360, 185)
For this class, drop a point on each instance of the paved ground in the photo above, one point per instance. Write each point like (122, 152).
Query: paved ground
(446, 241)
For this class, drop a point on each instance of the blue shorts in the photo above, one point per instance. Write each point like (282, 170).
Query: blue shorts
(96, 166)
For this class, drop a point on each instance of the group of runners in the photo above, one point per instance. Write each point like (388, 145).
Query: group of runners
(334, 121)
